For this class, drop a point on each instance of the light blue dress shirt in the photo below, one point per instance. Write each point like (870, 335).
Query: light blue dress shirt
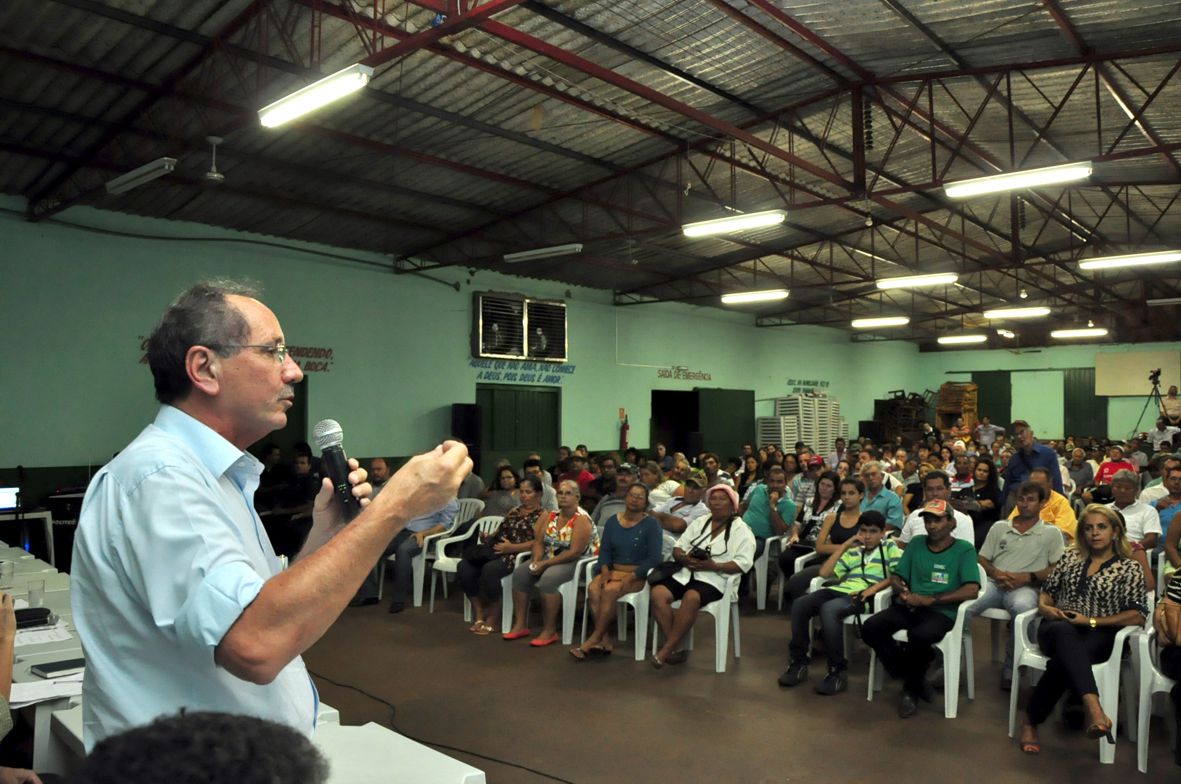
(169, 552)
(887, 502)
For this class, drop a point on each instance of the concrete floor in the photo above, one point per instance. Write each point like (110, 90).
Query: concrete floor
(617, 720)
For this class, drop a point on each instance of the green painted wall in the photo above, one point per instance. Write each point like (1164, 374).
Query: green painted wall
(75, 305)
(1037, 388)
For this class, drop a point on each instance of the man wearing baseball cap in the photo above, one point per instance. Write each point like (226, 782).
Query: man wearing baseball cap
(612, 503)
(803, 485)
(676, 513)
(936, 573)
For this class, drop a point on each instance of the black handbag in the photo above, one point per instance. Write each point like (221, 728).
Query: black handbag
(662, 572)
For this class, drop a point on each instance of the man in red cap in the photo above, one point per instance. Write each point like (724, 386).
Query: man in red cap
(936, 573)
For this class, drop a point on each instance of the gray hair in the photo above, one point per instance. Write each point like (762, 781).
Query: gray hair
(200, 316)
(1124, 475)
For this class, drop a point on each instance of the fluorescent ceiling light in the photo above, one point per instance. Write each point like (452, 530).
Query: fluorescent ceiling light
(732, 223)
(315, 95)
(1011, 181)
(954, 340)
(1162, 301)
(742, 297)
(568, 249)
(1016, 313)
(1089, 332)
(144, 174)
(881, 321)
(1007, 334)
(1132, 260)
(918, 281)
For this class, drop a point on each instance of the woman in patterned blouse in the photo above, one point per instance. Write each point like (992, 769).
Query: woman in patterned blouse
(481, 571)
(1094, 591)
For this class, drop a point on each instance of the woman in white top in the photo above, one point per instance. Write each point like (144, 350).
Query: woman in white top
(712, 547)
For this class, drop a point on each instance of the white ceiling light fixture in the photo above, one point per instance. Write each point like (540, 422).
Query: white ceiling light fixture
(1132, 260)
(918, 281)
(1011, 181)
(957, 340)
(745, 297)
(1089, 332)
(308, 99)
(141, 175)
(1161, 302)
(881, 321)
(1016, 313)
(1007, 334)
(568, 249)
(733, 223)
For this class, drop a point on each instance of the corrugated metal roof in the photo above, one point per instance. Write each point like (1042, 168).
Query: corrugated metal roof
(480, 144)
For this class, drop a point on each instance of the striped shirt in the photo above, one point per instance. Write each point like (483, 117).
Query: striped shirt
(859, 569)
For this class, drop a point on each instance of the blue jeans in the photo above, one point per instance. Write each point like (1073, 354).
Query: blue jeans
(833, 607)
(406, 547)
(1015, 602)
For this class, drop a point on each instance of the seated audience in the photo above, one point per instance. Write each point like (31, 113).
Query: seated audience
(482, 569)
(844, 469)
(1170, 407)
(663, 457)
(559, 541)
(986, 492)
(1164, 433)
(1166, 509)
(713, 470)
(712, 547)
(1159, 489)
(959, 431)
(650, 476)
(879, 497)
(549, 499)
(860, 568)
(561, 467)
(405, 545)
(1056, 511)
(840, 525)
(803, 486)
(675, 514)
(838, 453)
(1169, 639)
(936, 487)
(630, 548)
(791, 466)
(615, 489)
(577, 471)
(936, 573)
(501, 495)
(1017, 555)
(752, 475)
(1081, 473)
(1115, 462)
(912, 496)
(1141, 521)
(769, 511)
(201, 746)
(809, 522)
(1094, 591)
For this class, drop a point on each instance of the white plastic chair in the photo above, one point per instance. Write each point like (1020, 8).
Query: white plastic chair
(567, 590)
(801, 562)
(417, 565)
(954, 652)
(468, 509)
(639, 601)
(725, 613)
(448, 564)
(998, 617)
(759, 573)
(1026, 653)
(1152, 683)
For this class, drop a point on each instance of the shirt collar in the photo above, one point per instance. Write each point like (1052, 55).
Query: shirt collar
(215, 452)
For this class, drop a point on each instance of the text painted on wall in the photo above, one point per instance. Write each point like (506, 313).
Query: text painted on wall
(802, 386)
(682, 373)
(311, 359)
(507, 371)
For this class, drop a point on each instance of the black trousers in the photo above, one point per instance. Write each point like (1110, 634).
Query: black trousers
(910, 660)
(483, 580)
(1170, 665)
(1071, 651)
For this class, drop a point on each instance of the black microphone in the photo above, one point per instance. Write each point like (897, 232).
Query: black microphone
(334, 464)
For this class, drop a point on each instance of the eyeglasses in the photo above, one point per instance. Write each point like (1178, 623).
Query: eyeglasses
(279, 351)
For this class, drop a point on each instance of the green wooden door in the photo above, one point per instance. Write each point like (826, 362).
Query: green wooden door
(1084, 413)
(994, 396)
(516, 420)
(726, 418)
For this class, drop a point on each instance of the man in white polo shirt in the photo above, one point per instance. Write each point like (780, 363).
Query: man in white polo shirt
(936, 487)
(1141, 520)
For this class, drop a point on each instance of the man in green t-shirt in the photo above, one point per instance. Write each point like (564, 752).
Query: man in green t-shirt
(937, 572)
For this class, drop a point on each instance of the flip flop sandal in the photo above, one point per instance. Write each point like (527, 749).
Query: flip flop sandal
(676, 657)
(579, 654)
(598, 652)
(655, 661)
(483, 629)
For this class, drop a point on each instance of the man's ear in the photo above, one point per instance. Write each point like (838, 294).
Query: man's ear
(203, 367)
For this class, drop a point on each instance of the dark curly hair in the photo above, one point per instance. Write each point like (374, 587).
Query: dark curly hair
(205, 748)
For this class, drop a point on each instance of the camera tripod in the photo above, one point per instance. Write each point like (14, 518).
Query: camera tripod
(1153, 397)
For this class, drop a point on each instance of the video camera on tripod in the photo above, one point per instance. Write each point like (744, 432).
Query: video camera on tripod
(1154, 377)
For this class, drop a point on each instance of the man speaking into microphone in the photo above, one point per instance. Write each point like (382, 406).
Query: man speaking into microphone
(178, 597)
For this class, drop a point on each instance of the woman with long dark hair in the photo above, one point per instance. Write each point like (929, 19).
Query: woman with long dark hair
(986, 489)
(840, 525)
(809, 522)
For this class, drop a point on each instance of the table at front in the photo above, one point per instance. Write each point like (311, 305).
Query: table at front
(47, 517)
